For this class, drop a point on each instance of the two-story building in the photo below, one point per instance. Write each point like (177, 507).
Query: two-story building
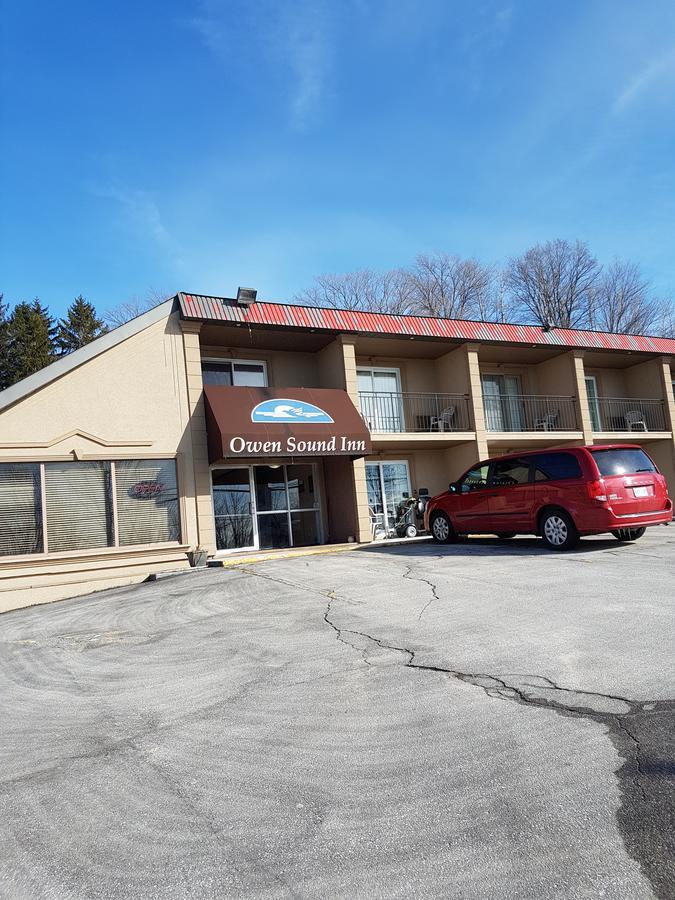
(228, 425)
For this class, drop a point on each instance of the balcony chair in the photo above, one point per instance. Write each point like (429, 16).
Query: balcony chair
(443, 421)
(547, 421)
(635, 420)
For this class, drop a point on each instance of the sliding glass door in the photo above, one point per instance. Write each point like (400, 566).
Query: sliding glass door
(593, 404)
(380, 397)
(502, 399)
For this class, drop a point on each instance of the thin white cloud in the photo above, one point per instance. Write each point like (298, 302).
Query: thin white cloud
(309, 57)
(142, 216)
(657, 72)
(293, 39)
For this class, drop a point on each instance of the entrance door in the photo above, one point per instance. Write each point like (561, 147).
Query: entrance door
(232, 508)
(388, 483)
(380, 398)
(266, 507)
(593, 404)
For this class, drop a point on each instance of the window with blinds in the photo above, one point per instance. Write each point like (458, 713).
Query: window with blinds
(147, 501)
(78, 504)
(20, 508)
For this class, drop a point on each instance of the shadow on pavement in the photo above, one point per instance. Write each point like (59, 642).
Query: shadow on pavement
(486, 546)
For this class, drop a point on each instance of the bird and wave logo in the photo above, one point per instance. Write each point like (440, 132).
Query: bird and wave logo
(285, 410)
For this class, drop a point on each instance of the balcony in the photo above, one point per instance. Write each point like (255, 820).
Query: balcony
(415, 413)
(529, 412)
(627, 414)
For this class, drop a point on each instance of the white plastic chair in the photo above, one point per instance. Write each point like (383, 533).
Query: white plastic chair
(443, 421)
(547, 422)
(635, 419)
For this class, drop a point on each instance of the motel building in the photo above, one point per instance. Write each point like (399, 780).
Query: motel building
(210, 426)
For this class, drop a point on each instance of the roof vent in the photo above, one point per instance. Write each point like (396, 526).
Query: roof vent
(246, 296)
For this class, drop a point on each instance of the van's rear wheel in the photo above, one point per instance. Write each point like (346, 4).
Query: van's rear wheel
(558, 530)
(441, 529)
(628, 534)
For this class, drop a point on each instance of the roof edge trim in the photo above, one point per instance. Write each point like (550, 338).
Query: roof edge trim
(65, 364)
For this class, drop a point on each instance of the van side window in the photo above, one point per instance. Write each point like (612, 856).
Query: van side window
(555, 466)
(475, 478)
(506, 472)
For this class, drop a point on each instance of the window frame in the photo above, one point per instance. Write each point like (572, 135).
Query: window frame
(233, 361)
(114, 548)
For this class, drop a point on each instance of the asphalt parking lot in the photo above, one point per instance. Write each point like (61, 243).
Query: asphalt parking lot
(484, 720)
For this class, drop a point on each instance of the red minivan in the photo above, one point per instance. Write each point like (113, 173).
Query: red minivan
(559, 494)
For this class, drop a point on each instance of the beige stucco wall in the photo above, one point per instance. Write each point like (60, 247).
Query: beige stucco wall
(452, 372)
(555, 377)
(129, 402)
(417, 375)
(610, 382)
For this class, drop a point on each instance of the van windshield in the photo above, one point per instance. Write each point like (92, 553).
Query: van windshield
(626, 461)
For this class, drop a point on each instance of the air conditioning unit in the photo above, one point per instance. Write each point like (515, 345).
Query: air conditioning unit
(246, 296)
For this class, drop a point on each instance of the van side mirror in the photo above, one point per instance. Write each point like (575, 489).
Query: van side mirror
(452, 487)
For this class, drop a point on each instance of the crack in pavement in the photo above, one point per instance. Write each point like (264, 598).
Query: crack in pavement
(434, 590)
(646, 780)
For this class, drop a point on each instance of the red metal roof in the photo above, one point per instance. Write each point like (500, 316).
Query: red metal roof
(283, 315)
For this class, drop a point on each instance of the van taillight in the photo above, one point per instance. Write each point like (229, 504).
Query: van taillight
(596, 491)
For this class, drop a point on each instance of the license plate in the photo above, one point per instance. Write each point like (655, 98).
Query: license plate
(641, 491)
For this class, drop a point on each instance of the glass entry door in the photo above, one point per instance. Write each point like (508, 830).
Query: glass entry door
(266, 507)
(387, 483)
(232, 508)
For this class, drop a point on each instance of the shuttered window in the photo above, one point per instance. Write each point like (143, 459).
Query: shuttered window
(147, 501)
(78, 504)
(20, 508)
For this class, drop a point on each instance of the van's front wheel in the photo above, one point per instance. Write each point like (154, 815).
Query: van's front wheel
(441, 529)
(558, 531)
(628, 534)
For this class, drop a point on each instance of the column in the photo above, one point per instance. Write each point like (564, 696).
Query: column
(200, 454)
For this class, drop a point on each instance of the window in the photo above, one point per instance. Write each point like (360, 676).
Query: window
(506, 472)
(20, 508)
(622, 462)
(79, 507)
(555, 466)
(61, 506)
(475, 478)
(147, 501)
(231, 372)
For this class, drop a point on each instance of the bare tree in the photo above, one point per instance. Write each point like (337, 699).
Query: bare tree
(621, 301)
(136, 306)
(498, 304)
(444, 285)
(363, 289)
(665, 320)
(554, 283)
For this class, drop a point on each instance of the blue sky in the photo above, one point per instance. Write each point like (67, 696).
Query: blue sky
(202, 145)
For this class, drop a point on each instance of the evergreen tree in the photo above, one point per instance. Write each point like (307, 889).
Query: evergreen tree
(5, 367)
(79, 326)
(31, 339)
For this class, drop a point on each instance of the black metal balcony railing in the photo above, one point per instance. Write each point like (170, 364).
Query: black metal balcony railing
(627, 414)
(529, 412)
(416, 412)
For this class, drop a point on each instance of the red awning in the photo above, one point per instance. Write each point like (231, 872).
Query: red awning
(259, 422)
